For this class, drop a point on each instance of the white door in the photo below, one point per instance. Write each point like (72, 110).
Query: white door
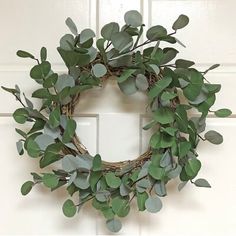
(110, 123)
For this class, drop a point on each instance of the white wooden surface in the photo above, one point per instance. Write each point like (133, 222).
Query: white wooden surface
(110, 120)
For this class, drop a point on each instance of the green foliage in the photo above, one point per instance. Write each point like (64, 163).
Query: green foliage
(214, 137)
(112, 180)
(153, 204)
(26, 187)
(223, 112)
(69, 208)
(24, 54)
(173, 87)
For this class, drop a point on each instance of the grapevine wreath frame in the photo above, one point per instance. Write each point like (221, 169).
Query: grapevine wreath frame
(172, 151)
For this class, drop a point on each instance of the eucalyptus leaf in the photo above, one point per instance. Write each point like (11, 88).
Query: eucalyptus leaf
(202, 183)
(99, 70)
(156, 32)
(71, 25)
(181, 22)
(153, 204)
(128, 87)
(133, 18)
(26, 187)
(223, 112)
(142, 82)
(109, 29)
(114, 225)
(69, 208)
(85, 35)
(214, 137)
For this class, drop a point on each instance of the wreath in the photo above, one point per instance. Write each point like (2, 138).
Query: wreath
(112, 186)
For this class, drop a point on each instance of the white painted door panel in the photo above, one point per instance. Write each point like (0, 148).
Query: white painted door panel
(110, 123)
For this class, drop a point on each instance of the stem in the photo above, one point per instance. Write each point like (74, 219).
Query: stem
(20, 101)
(203, 139)
(81, 203)
(138, 180)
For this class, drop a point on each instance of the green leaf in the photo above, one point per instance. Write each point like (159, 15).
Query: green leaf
(72, 58)
(181, 22)
(41, 93)
(40, 71)
(141, 199)
(164, 115)
(108, 213)
(166, 96)
(43, 54)
(155, 140)
(156, 172)
(120, 206)
(71, 25)
(150, 125)
(85, 35)
(214, 137)
(223, 112)
(64, 81)
(156, 32)
(194, 88)
(142, 185)
(174, 172)
(128, 87)
(50, 81)
(32, 148)
(124, 190)
(24, 54)
(26, 187)
(102, 195)
(50, 180)
(192, 167)
(212, 68)
(159, 87)
(184, 148)
(97, 163)
(155, 68)
(109, 29)
(71, 163)
(142, 82)
(81, 181)
(122, 41)
(51, 154)
(67, 42)
(69, 208)
(166, 159)
(169, 130)
(133, 18)
(125, 75)
(19, 146)
(69, 131)
(202, 183)
(21, 115)
(182, 185)
(153, 204)
(9, 90)
(181, 118)
(99, 70)
(181, 63)
(169, 55)
(213, 88)
(43, 140)
(160, 188)
(112, 180)
(114, 225)
(54, 118)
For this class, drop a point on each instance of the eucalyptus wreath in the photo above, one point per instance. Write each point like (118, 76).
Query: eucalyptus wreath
(52, 139)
